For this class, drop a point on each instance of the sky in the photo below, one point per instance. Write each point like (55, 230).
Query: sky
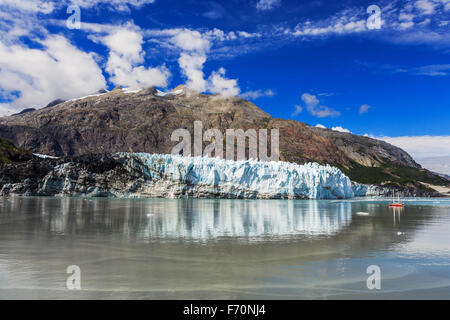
(380, 68)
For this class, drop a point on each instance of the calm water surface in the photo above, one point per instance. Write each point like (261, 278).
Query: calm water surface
(223, 249)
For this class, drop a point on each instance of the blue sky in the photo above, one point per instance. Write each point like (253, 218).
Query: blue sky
(319, 62)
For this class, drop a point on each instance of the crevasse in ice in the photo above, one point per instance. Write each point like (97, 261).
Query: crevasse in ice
(311, 180)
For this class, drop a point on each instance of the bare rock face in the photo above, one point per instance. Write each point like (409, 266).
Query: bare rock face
(143, 121)
(367, 151)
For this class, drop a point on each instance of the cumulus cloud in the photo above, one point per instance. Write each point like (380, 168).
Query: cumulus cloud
(125, 60)
(190, 40)
(218, 84)
(194, 48)
(192, 67)
(34, 77)
(340, 129)
(320, 126)
(265, 5)
(364, 108)
(313, 107)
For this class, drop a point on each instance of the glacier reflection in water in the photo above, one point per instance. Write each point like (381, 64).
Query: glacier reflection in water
(190, 219)
(210, 219)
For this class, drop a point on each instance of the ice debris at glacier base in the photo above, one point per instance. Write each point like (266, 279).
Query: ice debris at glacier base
(251, 178)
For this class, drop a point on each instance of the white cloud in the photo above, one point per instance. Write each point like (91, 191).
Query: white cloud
(432, 152)
(257, 94)
(320, 126)
(364, 108)
(126, 58)
(220, 35)
(433, 70)
(218, 84)
(422, 146)
(265, 5)
(58, 70)
(313, 107)
(426, 6)
(120, 5)
(248, 35)
(192, 67)
(191, 40)
(33, 6)
(194, 48)
(20, 18)
(345, 22)
(436, 164)
(340, 129)
(297, 111)
(406, 16)
(406, 25)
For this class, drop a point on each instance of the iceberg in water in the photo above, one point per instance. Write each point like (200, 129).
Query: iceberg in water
(176, 176)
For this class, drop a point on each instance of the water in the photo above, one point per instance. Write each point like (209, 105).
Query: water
(223, 249)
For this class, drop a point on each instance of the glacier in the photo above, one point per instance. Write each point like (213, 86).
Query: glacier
(238, 179)
(143, 175)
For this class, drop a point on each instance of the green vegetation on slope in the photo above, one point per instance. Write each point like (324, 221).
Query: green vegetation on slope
(9, 153)
(391, 173)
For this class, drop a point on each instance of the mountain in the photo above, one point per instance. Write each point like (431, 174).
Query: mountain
(9, 153)
(143, 121)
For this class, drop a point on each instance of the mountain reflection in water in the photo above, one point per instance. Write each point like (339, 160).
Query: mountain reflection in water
(222, 249)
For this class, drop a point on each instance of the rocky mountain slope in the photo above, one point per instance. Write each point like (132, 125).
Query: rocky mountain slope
(143, 175)
(143, 121)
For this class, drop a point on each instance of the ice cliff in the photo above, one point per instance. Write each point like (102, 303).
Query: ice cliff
(240, 179)
(142, 175)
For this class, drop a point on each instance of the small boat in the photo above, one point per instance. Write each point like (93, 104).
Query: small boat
(396, 204)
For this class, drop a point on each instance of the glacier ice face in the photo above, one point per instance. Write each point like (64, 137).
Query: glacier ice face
(194, 176)
(141, 175)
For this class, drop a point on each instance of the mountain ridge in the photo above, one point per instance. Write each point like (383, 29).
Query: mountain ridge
(142, 121)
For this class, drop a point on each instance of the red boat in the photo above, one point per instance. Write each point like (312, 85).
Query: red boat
(397, 204)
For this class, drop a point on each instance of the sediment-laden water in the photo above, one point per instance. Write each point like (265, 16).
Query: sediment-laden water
(223, 249)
